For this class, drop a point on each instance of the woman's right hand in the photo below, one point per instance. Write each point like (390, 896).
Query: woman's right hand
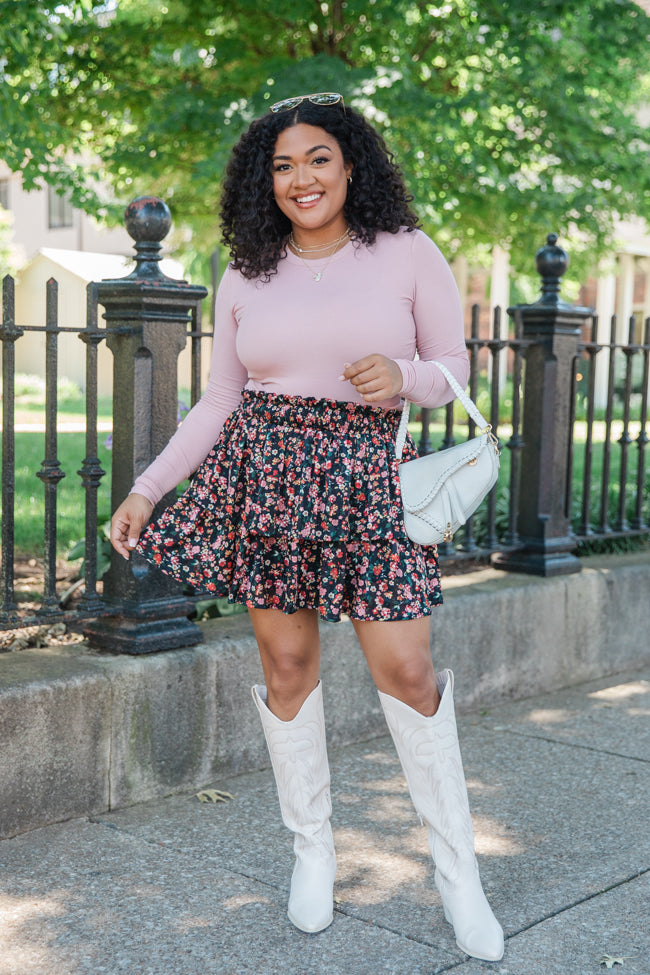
(127, 523)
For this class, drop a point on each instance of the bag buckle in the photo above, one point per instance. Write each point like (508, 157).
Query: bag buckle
(492, 439)
(449, 535)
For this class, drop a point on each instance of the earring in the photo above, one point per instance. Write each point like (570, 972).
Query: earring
(349, 180)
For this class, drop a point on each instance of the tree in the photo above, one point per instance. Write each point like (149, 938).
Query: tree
(509, 119)
(11, 257)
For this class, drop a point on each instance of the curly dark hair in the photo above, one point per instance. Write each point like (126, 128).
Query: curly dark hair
(253, 226)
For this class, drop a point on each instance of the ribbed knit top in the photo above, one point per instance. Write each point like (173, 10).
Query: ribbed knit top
(293, 335)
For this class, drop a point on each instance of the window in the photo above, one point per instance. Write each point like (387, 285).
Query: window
(60, 210)
(4, 194)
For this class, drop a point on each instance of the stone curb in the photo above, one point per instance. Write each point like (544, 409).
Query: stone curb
(84, 733)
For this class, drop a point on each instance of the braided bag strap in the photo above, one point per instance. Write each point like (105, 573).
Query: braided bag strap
(468, 404)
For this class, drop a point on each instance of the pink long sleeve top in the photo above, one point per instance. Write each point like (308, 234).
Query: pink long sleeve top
(292, 335)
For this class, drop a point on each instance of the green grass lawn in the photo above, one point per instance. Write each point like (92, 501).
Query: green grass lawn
(74, 411)
(29, 402)
(30, 505)
(29, 411)
(30, 451)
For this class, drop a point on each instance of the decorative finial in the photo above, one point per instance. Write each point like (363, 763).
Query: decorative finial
(551, 262)
(147, 220)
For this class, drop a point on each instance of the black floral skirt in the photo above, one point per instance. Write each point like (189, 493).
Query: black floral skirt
(297, 506)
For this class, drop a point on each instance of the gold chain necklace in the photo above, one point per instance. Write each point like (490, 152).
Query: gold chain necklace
(318, 274)
(318, 247)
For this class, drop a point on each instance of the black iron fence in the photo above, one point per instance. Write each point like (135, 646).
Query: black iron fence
(608, 485)
(572, 473)
(613, 506)
(50, 472)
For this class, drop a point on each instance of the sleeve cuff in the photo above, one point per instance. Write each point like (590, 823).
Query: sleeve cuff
(147, 490)
(409, 376)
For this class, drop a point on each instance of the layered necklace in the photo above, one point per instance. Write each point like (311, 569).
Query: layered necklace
(332, 247)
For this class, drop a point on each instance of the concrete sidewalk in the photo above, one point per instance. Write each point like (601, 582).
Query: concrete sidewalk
(559, 793)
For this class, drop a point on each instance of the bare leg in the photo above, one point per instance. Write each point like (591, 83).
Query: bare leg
(399, 660)
(290, 652)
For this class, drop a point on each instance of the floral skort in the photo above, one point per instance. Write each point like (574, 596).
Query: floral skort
(297, 506)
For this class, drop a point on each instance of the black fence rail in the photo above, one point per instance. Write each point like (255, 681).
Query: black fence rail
(613, 506)
(570, 473)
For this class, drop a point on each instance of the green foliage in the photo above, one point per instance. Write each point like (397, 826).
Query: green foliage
(29, 387)
(613, 502)
(207, 609)
(509, 119)
(613, 546)
(11, 259)
(78, 551)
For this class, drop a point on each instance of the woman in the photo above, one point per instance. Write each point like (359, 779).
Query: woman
(295, 510)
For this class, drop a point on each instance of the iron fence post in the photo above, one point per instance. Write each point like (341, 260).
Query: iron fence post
(146, 316)
(551, 330)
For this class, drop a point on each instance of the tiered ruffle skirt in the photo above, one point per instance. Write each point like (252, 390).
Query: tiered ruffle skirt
(297, 506)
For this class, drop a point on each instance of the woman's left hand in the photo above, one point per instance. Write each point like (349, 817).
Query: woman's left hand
(375, 377)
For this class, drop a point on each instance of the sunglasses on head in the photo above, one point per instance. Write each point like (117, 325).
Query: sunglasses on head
(318, 98)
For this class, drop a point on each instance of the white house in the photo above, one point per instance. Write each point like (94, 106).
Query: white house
(42, 218)
(74, 270)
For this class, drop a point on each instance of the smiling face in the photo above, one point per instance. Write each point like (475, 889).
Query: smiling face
(310, 183)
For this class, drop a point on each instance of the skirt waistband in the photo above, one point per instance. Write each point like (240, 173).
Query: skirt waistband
(333, 416)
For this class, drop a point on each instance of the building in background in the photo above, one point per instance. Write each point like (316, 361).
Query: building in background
(61, 242)
(43, 218)
(620, 287)
(74, 270)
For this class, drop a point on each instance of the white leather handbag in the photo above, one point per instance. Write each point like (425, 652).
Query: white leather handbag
(441, 490)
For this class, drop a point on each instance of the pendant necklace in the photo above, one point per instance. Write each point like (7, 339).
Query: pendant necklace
(317, 274)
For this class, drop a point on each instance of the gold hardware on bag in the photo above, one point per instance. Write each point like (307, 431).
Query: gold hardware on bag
(493, 440)
(472, 462)
(449, 535)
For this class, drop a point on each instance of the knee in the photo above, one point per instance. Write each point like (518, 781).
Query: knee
(286, 670)
(290, 653)
(414, 684)
(290, 676)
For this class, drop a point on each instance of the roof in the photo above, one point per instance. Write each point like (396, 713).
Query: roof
(90, 266)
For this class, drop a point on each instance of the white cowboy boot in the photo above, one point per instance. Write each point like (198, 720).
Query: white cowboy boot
(428, 750)
(299, 758)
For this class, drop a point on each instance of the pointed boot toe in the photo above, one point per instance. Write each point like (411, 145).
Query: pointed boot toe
(482, 942)
(311, 901)
(477, 931)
